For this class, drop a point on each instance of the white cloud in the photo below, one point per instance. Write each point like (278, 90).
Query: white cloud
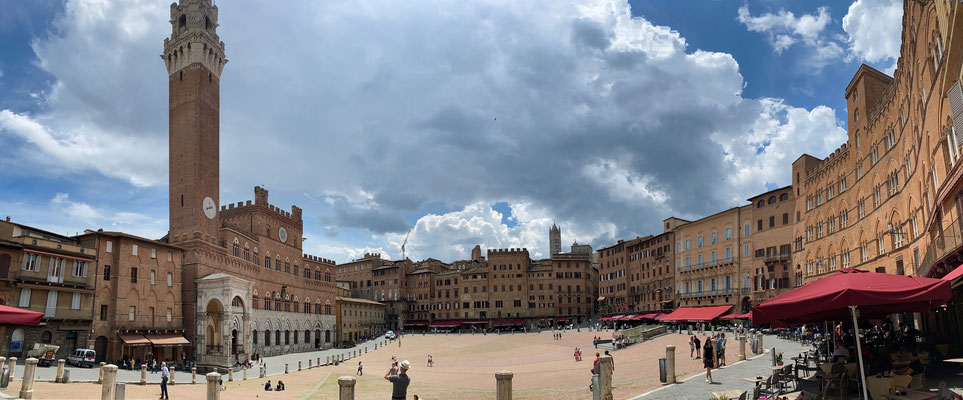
(66, 216)
(874, 28)
(378, 110)
(784, 28)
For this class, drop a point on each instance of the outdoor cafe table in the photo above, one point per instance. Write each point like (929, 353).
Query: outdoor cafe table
(730, 394)
(757, 380)
(911, 395)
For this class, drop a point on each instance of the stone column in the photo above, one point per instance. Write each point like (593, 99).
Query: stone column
(230, 374)
(213, 388)
(29, 373)
(346, 387)
(285, 368)
(12, 361)
(171, 383)
(143, 374)
(605, 376)
(759, 346)
(299, 365)
(107, 386)
(670, 364)
(263, 371)
(503, 385)
(244, 373)
(120, 391)
(715, 353)
(193, 375)
(309, 363)
(319, 361)
(328, 361)
(60, 371)
(100, 378)
(742, 348)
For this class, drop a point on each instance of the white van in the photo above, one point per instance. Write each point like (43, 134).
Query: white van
(82, 358)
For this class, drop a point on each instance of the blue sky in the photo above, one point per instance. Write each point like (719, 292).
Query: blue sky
(483, 124)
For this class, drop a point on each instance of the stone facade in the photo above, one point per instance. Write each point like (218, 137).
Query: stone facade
(359, 319)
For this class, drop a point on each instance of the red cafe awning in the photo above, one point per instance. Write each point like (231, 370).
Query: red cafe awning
(953, 275)
(508, 322)
(18, 316)
(875, 295)
(695, 314)
(445, 324)
(416, 323)
(731, 317)
(475, 322)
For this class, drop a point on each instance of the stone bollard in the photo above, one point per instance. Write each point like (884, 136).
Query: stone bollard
(309, 363)
(715, 353)
(213, 386)
(285, 368)
(12, 361)
(328, 361)
(605, 376)
(263, 371)
(60, 371)
(346, 388)
(108, 384)
(100, 378)
(742, 348)
(230, 374)
(759, 346)
(503, 385)
(319, 361)
(120, 391)
(143, 374)
(171, 382)
(193, 375)
(29, 373)
(299, 366)
(670, 364)
(244, 374)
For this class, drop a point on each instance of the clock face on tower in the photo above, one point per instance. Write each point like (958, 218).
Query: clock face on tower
(283, 234)
(210, 209)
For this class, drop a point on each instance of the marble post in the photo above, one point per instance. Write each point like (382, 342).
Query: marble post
(670, 364)
(193, 375)
(742, 348)
(213, 386)
(100, 378)
(12, 361)
(299, 365)
(605, 376)
(230, 374)
(60, 371)
(107, 386)
(715, 353)
(309, 363)
(503, 385)
(120, 391)
(143, 374)
(29, 373)
(244, 373)
(759, 346)
(346, 388)
(171, 382)
(285, 368)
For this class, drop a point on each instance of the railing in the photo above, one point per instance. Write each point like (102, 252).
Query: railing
(944, 243)
(776, 258)
(698, 266)
(704, 293)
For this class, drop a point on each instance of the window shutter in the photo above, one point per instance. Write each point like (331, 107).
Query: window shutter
(955, 96)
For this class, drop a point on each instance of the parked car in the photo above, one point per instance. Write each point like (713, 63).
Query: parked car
(390, 335)
(82, 358)
(46, 354)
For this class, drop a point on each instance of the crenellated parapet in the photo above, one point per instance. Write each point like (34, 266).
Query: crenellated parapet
(193, 38)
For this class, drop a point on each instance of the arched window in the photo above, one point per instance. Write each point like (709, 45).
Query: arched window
(784, 197)
(235, 247)
(772, 200)
(267, 337)
(247, 253)
(760, 203)
(254, 338)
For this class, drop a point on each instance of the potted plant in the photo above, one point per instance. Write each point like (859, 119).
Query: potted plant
(778, 358)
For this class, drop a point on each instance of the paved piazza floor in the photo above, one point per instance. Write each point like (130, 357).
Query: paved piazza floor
(465, 367)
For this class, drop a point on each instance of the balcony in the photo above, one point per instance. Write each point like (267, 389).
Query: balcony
(710, 264)
(776, 258)
(706, 293)
(945, 243)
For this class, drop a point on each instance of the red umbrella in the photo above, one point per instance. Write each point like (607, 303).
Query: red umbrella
(838, 296)
(19, 316)
(829, 298)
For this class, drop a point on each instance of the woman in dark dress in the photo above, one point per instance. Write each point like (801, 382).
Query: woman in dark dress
(707, 357)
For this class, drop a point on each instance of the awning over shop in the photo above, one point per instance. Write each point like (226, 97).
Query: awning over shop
(508, 322)
(18, 316)
(875, 294)
(731, 317)
(954, 275)
(135, 340)
(475, 322)
(416, 323)
(167, 340)
(695, 314)
(446, 324)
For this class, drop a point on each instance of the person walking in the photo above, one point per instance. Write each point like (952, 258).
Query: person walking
(698, 345)
(399, 382)
(165, 375)
(360, 371)
(707, 355)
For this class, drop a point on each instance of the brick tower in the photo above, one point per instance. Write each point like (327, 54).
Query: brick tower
(194, 57)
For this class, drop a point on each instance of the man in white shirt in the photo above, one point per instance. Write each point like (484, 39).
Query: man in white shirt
(165, 375)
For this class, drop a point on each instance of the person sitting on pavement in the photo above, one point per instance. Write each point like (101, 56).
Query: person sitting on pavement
(280, 386)
(267, 386)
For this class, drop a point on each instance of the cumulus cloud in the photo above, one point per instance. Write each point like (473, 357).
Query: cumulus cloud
(874, 28)
(591, 117)
(784, 28)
